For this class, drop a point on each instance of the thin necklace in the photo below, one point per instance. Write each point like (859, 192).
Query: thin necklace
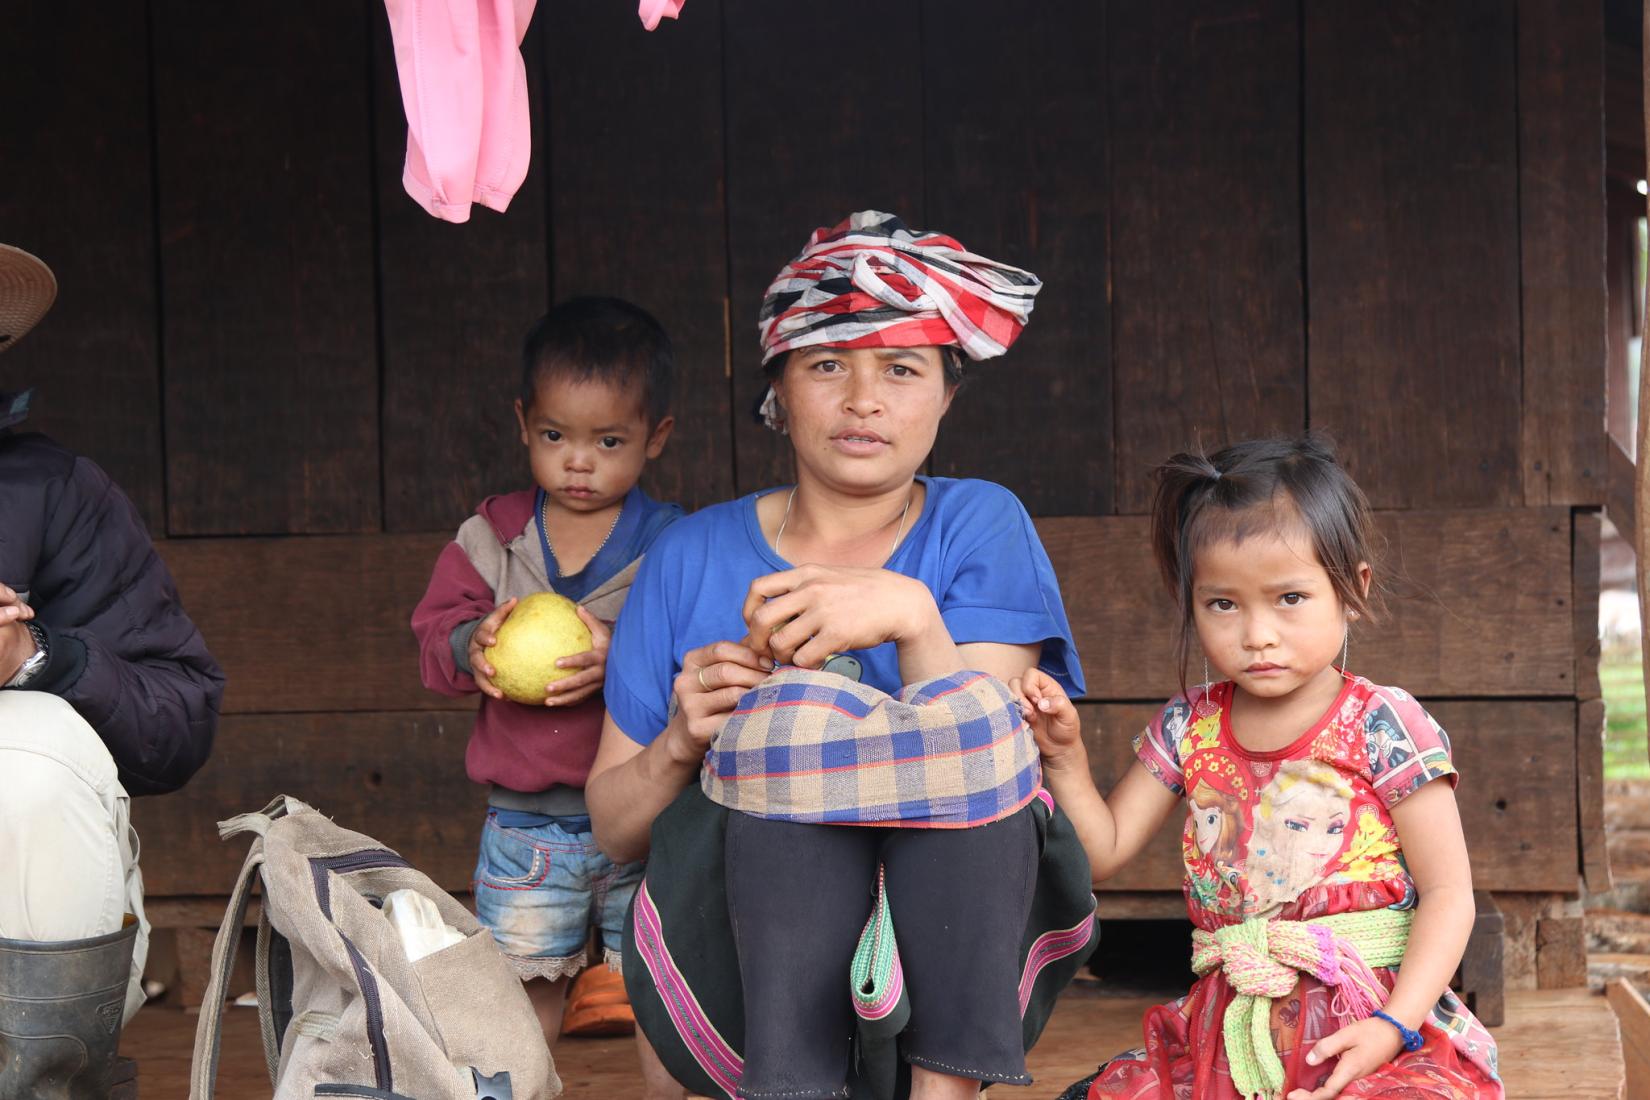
(544, 517)
(786, 518)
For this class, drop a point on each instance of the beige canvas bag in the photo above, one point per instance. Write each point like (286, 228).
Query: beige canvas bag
(342, 1010)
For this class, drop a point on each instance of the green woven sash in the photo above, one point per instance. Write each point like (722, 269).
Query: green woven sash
(1263, 959)
(877, 985)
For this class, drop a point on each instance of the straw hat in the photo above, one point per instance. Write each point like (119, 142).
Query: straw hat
(27, 288)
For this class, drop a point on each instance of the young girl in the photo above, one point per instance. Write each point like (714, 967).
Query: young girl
(1348, 857)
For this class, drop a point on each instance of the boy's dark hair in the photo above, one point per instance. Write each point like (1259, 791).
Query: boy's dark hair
(1252, 488)
(606, 340)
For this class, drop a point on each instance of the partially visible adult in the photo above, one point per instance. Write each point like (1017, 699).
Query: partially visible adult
(106, 691)
(899, 580)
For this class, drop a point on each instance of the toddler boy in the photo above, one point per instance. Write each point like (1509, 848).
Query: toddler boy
(594, 408)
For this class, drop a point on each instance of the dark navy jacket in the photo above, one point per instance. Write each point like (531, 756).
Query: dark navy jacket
(122, 651)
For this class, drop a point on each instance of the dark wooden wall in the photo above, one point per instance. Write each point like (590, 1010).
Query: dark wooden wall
(1385, 221)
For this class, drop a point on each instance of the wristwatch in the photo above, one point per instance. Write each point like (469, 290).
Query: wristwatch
(32, 665)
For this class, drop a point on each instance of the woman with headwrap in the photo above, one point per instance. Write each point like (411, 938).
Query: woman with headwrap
(934, 590)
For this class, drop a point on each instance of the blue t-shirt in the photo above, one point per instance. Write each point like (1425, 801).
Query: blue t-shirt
(640, 520)
(973, 546)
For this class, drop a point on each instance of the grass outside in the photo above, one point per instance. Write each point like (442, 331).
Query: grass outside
(1625, 753)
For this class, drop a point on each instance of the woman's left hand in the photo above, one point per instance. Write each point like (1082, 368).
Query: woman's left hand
(804, 615)
(1363, 1047)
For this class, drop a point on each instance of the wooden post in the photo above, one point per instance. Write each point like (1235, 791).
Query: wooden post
(1584, 596)
(1641, 479)
(1483, 981)
(1561, 953)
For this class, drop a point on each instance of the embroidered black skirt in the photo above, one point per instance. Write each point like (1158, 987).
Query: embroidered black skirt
(681, 961)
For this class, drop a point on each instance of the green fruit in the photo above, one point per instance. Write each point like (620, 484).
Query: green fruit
(541, 630)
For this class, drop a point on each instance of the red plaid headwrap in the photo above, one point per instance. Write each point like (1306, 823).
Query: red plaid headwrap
(870, 282)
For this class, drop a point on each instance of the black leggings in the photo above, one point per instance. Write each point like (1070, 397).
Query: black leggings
(799, 895)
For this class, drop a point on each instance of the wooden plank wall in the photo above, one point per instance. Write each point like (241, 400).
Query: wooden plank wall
(1380, 221)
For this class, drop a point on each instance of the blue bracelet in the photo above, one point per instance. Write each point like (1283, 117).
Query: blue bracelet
(1412, 1039)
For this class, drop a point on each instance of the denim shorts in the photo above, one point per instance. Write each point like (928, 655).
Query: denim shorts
(541, 888)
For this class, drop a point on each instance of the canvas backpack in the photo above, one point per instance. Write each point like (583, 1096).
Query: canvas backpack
(342, 1011)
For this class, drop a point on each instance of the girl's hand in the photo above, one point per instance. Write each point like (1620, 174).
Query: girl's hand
(1052, 718)
(592, 666)
(1363, 1047)
(710, 685)
(804, 615)
(483, 639)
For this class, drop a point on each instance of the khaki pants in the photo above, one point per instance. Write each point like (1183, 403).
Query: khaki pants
(68, 854)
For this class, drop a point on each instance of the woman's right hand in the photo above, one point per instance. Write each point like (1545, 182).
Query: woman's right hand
(712, 681)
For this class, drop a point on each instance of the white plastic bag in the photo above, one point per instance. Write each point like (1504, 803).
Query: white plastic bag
(419, 924)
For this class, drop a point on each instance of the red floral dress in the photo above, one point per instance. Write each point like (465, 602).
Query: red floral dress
(1294, 834)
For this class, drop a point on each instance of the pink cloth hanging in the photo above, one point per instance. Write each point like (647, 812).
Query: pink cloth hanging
(464, 87)
(652, 11)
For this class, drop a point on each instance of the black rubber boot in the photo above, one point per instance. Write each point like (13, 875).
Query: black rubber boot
(60, 1014)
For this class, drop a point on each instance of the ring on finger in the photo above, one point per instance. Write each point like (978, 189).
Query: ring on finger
(701, 675)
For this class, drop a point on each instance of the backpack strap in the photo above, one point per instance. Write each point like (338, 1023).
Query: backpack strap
(259, 821)
(272, 965)
(203, 1068)
(270, 945)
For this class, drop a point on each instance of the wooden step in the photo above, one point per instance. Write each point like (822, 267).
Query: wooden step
(1627, 803)
(1618, 931)
(1604, 967)
(1633, 1020)
(1556, 1045)
(1629, 850)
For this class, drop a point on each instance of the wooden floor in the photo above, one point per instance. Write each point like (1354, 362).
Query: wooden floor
(1555, 1044)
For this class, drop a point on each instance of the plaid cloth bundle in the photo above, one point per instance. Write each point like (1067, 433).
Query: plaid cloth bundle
(817, 747)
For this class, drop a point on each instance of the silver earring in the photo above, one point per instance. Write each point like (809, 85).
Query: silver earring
(1205, 706)
(1346, 648)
